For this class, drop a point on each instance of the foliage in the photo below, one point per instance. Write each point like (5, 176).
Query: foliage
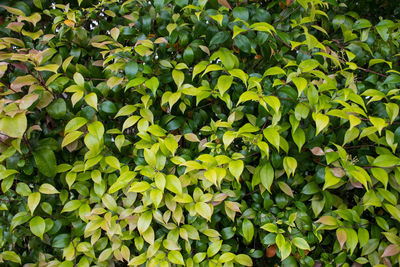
(198, 133)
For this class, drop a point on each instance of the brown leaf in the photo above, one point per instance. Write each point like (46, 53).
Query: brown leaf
(387, 262)
(341, 236)
(338, 172)
(356, 184)
(21, 66)
(224, 3)
(271, 251)
(317, 151)
(391, 250)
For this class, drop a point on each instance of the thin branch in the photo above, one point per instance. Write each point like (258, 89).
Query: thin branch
(371, 71)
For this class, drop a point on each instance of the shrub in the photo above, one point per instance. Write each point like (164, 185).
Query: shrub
(198, 133)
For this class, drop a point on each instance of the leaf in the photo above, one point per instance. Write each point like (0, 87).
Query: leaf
(308, 65)
(317, 151)
(243, 43)
(214, 248)
(267, 176)
(11, 256)
(272, 137)
(286, 189)
(173, 184)
(219, 38)
(48, 189)
(175, 257)
(290, 165)
(243, 260)
(152, 84)
(395, 212)
(236, 167)
(37, 226)
(386, 161)
(391, 250)
(144, 221)
(75, 124)
(274, 71)
(91, 100)
(46, 162)
(14, 127)
(341, 236)
(114, 81)
(70, 138)
(224, 83)
(321, 121)
(248, 230)
(71, 205)
(178, 77)
(78, 79)
(204, 210)
(33, 201)
(352, 239)
(224, 3)
(300, 243)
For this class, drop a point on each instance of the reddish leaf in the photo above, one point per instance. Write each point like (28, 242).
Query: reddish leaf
(224, 3)
(391, 250)
(271, 251)
(341, 236)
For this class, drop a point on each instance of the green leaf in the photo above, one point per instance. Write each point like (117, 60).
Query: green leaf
(173, 184)
(308, 65)
(144, 221)
(243, 43)
(395, 212)
(224, 83)
(131, 69)
(152, 84)
(274, 71)
(290, 165)
(57, 109)
(91, 100)
(267, 176)
(214, 248)
(248, 230)
(175, 257)
(48, 189)
(236, 167)
(300, 243)
(204, 210)
(178, 77)
(188, 55)
(243, 260)
(46, 162)
(272, 136)
(37, 226)
(321, 121)
(386, 161)
(33, 201)
(75, 124)
(71, 205)
(11, 256)
(14, 127)
(219, 38)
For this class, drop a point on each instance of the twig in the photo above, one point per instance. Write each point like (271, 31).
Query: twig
(371, 71)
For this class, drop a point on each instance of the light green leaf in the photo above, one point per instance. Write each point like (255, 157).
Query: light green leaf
(37, 226)
(300, 243)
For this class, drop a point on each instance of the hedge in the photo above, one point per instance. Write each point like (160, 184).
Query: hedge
(199, 133)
